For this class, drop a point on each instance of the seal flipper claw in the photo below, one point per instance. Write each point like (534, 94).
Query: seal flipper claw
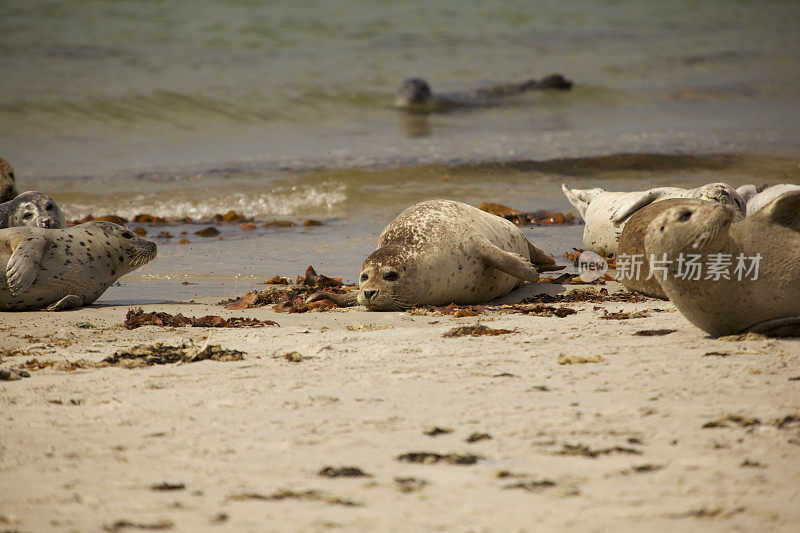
(70, 301)
(508, 262)
(23, 266)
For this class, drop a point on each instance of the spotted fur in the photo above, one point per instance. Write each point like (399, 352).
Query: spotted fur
(66, 267)
(440, 252)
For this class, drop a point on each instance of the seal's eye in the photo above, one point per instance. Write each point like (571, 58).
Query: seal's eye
(684, 216)
(127, 234)
(11, 175)
(364, 277)
(48, 206)
(390, 276)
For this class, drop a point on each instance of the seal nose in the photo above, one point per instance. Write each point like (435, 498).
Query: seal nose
(369, 295)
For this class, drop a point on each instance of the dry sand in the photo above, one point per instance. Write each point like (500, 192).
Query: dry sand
(619, 444)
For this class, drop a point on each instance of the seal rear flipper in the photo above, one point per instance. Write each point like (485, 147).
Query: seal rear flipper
(578, 198)
(778, 327)
(510, 263)
(348, 299)
(784, 210)
(23, 267)
(70, 301)
(542, 261)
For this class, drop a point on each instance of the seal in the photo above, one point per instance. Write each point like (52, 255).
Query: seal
(605, 212)
(33, 209)
(8, 184)
(765, 299)
(440, 252)
(61, 269)
(638, 277)
(415, 94)
(766, 195)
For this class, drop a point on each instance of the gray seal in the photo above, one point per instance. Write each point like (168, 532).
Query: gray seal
(33, 209)
(764, 301)
(440, 252)
(415, 94)
(8, 184)
(58, 269)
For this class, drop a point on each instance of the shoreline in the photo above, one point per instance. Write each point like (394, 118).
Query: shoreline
(659, 432)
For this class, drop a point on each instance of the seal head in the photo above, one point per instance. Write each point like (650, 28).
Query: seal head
(754, 284)
(8, 184)
(414, 92)
(33, 209)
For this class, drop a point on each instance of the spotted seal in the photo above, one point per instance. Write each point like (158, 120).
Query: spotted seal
(763, 300)
(605, 212)
(415, 94)
(31, 208)
(61, 269)
(8, 184)
(440, 252)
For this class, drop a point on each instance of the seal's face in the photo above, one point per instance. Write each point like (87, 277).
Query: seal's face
(724, 194)
(693, 227)
(36, 210)
(414, 92)
(387, 282)
(120, 244)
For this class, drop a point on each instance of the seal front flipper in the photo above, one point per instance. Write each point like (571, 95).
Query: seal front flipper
(627, 209)
(784, 210)
(23, 267)
(70, 301)
(508, 262)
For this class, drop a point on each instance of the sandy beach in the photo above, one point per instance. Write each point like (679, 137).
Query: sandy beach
(393, 422)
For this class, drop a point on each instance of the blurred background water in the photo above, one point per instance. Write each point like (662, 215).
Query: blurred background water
(284, 109)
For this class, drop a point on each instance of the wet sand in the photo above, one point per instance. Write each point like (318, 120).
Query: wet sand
(668, 432)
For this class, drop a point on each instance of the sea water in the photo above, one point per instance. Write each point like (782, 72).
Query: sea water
(284, 110)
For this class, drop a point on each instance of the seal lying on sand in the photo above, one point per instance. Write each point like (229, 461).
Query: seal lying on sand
(8, 189)
(766, 194)
(605, 213)
(65, 268)
(631, 250)
(441, 252)
(761, 300)
(415, 94)
(33, 209)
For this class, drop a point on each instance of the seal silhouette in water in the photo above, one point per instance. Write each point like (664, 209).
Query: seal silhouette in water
(65, 268)
(415, 94)
(440, 252)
